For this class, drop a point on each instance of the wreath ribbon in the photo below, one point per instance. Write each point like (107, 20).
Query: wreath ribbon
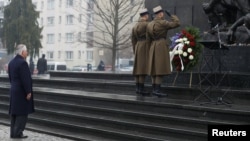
(172, 54)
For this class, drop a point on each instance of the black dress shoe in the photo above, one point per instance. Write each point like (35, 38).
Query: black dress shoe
(19, 137)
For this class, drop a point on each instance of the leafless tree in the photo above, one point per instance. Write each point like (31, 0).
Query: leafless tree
(109, 24)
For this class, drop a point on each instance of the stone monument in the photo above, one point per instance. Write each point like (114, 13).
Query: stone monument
(230, 19)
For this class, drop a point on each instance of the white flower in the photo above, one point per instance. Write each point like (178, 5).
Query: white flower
(180, 51)
(191, 57)
(177, 41)
(185, 39)
(176, 52)
(185, 54)
(180, 40)
(187, 42)
(189, 50)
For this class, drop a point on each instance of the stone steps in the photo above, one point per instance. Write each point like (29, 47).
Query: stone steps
(104, 107)
(110, 125)
(113, 101)
(125, 117)
(127, 87)
(103, 128)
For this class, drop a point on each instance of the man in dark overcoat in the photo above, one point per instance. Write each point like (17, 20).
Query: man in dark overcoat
(159, 60)
(140, 49)
(42, 65)
(21, 96)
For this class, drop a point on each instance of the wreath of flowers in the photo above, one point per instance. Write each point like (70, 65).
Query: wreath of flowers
(185, 49)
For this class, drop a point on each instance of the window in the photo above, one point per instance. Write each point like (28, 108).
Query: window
(69, 55)
(131, 19)
(69, 37)
(59, 37)
(90, 17)
(59, 54)
(42, 5)
(60, 20)
(60, 3)
(90, 4)
(89, 36)
(41, 22)
(132, 2)
(51, 4)
(1, 25)
(79, 36)
(50, 55)
(90, 21)
(61, 67)
(79, 54)
(69, 3)
(50, 38)
(80, 3)
(50, 20)
(89, 55)
(35, 4)
(80, 18)
(69, 19)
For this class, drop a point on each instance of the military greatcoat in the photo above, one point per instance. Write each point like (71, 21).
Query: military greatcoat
(140, 47)
(159, 61)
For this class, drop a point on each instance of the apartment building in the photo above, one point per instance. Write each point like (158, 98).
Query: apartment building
(65, 31)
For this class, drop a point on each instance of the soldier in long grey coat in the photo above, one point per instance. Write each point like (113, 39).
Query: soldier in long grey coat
(141, 50)
(159, 61)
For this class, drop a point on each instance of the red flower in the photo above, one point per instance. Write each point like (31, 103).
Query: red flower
(184, 32)
(178, 68)
(192, 44)
(185, 48)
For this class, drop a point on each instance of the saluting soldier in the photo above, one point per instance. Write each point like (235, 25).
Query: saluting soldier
(159, 61)
(141, 50)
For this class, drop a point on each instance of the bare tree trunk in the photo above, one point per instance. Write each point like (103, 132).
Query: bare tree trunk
(115, 37)
(113, 59)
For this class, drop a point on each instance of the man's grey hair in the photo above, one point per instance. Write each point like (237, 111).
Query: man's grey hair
(20, 48)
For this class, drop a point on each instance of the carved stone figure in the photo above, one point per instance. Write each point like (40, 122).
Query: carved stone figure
(239, 32)
(219, 14)
(229, 17)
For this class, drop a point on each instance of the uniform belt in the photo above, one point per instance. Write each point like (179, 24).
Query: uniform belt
(155, 39)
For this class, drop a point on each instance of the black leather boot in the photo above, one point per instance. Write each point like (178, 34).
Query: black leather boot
(157, 92)
(137, 88)
(153, 88)
(142, 91)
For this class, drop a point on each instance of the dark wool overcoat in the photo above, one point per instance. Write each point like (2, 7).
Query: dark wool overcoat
(21, 85)
(140, 48)
(159, 61)
(41, 65)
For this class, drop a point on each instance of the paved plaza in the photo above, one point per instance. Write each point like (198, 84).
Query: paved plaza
(32, 136)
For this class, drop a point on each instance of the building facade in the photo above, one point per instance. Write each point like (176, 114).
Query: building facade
(65, 31)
